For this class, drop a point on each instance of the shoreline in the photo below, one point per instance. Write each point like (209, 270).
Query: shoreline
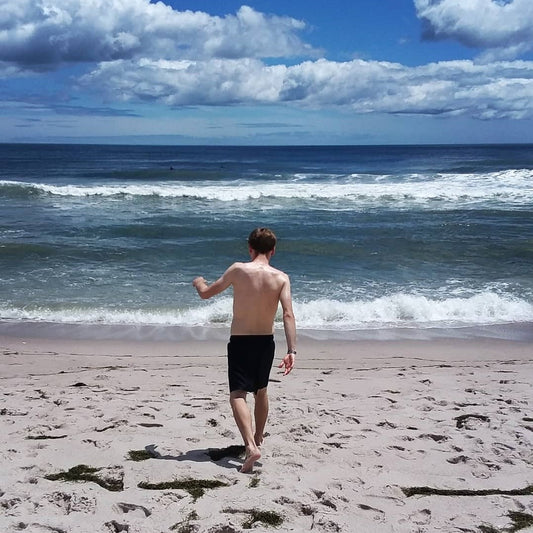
(348, 350)
(381, 436)
(516, 331)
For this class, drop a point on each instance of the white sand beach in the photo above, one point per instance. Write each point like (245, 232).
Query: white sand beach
(365, 436)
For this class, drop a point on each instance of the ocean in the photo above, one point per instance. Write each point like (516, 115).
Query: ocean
(379, 241)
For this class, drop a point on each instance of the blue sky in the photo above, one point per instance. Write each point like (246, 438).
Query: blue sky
(266, 72)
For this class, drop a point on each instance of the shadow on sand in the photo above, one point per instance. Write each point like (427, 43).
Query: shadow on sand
(225, 457)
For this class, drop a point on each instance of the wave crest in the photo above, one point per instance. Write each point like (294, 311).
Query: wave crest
(395, 311)
(407, 310)
(441, 190)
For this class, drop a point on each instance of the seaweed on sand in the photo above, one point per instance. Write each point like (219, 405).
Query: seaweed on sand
(519, 521)
(195, 487)
(429, 491)
(88, 473)
(141, 455)
(268, 518)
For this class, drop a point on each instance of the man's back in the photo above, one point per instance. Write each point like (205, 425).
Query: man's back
(257, 289)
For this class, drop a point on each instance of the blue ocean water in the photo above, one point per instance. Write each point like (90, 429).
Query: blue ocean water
(373, 237)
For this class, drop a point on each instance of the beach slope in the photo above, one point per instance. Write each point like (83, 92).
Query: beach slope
(369, 436)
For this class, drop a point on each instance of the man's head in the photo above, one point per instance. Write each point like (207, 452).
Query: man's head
(262, 240)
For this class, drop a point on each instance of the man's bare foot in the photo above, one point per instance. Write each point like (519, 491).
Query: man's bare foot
(252, 455)
(258, 440)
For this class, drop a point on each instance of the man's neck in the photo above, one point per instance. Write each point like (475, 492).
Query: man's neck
(261, 259)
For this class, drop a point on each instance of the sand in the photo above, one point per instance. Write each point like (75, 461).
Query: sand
(365, 436)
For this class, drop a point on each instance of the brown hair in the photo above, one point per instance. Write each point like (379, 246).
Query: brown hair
(262, 240)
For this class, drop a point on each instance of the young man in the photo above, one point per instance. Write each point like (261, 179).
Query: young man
(258, 288)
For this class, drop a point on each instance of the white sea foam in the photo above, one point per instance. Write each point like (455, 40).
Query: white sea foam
(438, 191)
(217, 312)
(395, 311)
(406, 310)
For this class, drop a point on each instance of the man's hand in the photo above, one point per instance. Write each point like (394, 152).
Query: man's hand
(287, 363)
(198, 280)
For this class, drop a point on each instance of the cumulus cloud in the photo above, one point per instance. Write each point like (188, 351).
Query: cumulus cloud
(186, 82)
(484, 91)
(502, 28)
(41, 34)
(9, 71)
(139, 51)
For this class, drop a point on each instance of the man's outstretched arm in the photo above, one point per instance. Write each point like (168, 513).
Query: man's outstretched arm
(206, 291)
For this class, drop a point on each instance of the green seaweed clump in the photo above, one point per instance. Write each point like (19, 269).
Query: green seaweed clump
(195, 487)
(87, 473)
(520, 520)
(45, 437)
(429, 491)
(141, 455)
(269, 518)
(488, 529)
(185, 526)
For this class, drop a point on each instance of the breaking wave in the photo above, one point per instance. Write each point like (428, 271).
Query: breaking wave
(395, 311)
(439, 191)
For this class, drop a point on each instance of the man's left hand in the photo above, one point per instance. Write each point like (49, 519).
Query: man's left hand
(287, 363)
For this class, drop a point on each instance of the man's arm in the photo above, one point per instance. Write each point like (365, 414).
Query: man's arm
(289, 325)
(207, 291)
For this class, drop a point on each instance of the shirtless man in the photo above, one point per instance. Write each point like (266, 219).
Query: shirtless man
(258, 288)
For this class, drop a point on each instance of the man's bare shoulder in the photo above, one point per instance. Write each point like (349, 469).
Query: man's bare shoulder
(237, 267)
(237, 270)
(281, 275)
(242, 269)
(278, 272)
(240, 265)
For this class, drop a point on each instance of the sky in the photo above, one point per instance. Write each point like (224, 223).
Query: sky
(266, 72)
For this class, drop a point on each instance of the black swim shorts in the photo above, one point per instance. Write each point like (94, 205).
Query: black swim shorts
(250, 359)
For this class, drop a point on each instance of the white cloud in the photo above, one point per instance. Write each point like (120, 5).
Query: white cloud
(497, 90)
(504, 28)
(41, 34)
(148, 52)
(7, 70)
(185, 82)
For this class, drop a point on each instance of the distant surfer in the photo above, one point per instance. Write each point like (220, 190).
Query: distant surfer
(258, 288)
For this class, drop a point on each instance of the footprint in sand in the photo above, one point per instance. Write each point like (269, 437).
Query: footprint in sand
(420, 518)
(72, 503)
(111, 424)
(377, 514)
(323, 524)
(471, 422)
(132, 507)
(35, 527)
(458, 460)
(114, 527)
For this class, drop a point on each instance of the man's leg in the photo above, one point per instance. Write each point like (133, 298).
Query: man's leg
(243, 418)
(260, 415)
